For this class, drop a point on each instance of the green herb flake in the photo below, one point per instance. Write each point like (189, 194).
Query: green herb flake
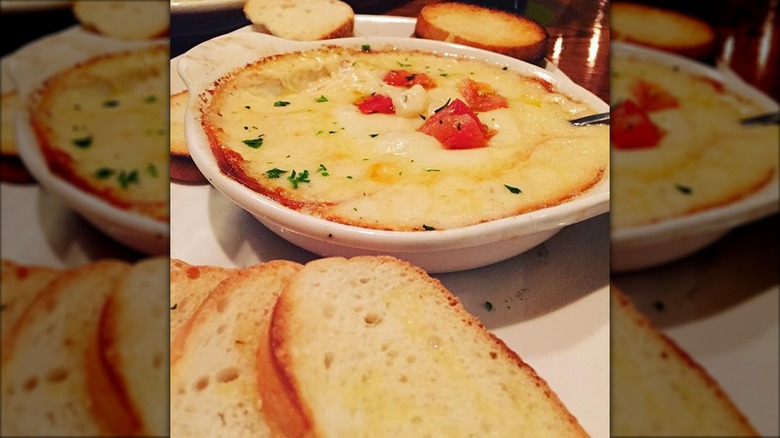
(365, 47)
(83, 143)
(322, 170)
(254, 143)
(444, 75)
(110, 103)
(126, 178)
(247, 107)
(372, 135)
(174, 306)
(505, 68)
(428, 227)
(151, 169)
(104, 173)
(274, 173)
(685, 190)
(514, 190)
(321, 99)
(150, 99)
(298, 178)
(446, 104)
(281, 103)
(432, 170)
(488, 306)
(349, 176)
(401, 64)
(423, 117)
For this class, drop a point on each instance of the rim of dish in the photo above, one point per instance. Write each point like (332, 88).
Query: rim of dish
(753, 206)
(587, 204)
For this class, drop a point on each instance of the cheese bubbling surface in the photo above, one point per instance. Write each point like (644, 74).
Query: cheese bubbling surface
(705, 158)
(295, 114)
(103, 126)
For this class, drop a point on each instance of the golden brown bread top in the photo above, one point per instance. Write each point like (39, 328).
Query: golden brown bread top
(484, 28)
(661, 29)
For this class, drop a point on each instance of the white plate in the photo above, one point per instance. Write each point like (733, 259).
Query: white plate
(551, 304)
(662, 242)
(30, 67)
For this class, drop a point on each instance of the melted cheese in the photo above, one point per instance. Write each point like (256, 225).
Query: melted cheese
(378, 170)
(103, 125)
(705, 159)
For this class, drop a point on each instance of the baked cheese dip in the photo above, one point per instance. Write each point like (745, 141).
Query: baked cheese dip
(103, 126)
(677, 144)
(401, 140)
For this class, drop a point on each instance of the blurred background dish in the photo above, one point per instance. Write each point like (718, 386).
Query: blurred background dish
(198, 20)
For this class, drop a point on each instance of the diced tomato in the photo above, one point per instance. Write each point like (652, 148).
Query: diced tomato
(651, 97)
(405, 78)
(376, 103)
(481, 96)
(457, 127)
(631, 128)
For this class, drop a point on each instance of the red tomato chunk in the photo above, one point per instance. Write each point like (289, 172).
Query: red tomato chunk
(405, 78)
(481, 96)
(631, 128)
(651, 97)
(457, 127)
(376, 103)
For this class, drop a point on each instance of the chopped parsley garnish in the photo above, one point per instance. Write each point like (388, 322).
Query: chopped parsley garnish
(365, 47)
(150, 99)
(685, 190)
(349, 176)
(444, 75)
(488, 306)
(401, 64)
(423, 117)
(274, 173)
(443, 106)
(83, 143)
(322, 170)
(332, 132)
(432, 170)
(505, 68)
(321, 99)
(152, 169)
(281, 103)
(104, 173)
(428, 227)
(111, 103)
(514, 190)
(247, 107)
(372, 135)
(298, 178)
(254, 143)
(127, 178)
(174, 306)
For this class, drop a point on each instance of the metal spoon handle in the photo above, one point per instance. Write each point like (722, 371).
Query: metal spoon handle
(594, 119)
(763, 119)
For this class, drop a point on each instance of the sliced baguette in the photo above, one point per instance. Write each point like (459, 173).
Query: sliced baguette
(213, 379)
(189, 286)
(372, 346)
(302, 21)
(484, 28)
(125, 19)
(19, 286)
(661, 29)
(657, 389)
(134, 343)
(11, 167)
(53, 382)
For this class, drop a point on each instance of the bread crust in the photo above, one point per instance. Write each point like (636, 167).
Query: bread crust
(283, 402)
(429, 26)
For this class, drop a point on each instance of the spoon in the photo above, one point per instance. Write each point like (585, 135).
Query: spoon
(763, 119)
(593, 119)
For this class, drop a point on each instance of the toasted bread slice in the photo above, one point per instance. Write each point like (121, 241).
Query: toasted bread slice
(484, 28)
(19, 286)
(182, 166)
(372, 346)
(302, 21)
(134, 339)
(657, 389)
(190, 285)
(125, 19)
(661, 29)
(53, 382)
(213, 378)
